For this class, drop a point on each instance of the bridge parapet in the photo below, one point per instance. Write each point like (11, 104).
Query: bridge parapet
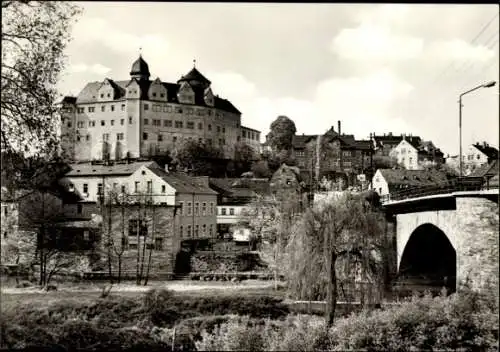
(460, 185)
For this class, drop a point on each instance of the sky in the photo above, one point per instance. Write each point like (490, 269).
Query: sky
(379, 68)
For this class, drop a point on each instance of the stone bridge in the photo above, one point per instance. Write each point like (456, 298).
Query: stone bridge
(449, 238)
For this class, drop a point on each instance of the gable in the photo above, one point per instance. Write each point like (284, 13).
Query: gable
(144, 174)
(157, 91)
(133, 90)
(185, 94)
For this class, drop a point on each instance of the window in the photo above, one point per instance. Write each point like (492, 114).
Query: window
(78, 138)
(160, 138)
(223, 211)
(163, 189)
(158, 244)
(78, 208)
(196, 230)
(102, 95)
(5, 211)
(69, 124)
(87, 137)
(244, 133)
(109, 95)
(103, 123)
(224, 141)
(180, 231)
(204, 208)
(80, 124)
(200, 140)
(85, 188)
(196, 208)
(91, 109)
(146, 106)
(150, 187)
(112, 108)
(238, 139)
(122, 122)
(154, 94)
(80, 110)
(112, 122)
(123, 107)
(136, 186)
(220, 141)
(223, 129)
(189, 231)
(231, 211)
(211, 230)
(105, 136)
(156, 122)
(200, 126)
(218, 129)
(167, 123)
(204, 230)
(211, 208)
(190, 125)
(181, 208)
(134, 225)
(178, 110)
(478, 157)
(178, 124)
(146, 121)
(99, 188)
(130, 120)
(91, 123)
(123, 188)
(410, 160)
(145, 136)
(174, 139)
(189, 209)
(103, 108)
(209, 127)
(209, 141)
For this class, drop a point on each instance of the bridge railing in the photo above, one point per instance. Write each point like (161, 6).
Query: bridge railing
(458, 185)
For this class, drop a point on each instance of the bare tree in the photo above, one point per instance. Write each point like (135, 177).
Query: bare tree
(34, 36)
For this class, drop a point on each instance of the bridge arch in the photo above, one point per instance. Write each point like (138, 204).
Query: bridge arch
(429, 256)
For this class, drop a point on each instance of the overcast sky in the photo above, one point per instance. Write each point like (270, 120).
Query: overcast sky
(377, 68)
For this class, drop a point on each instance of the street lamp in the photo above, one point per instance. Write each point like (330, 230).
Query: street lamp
(484, 85)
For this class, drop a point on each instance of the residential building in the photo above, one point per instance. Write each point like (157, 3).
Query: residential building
(140, 117)
(489, 173)
(386, 142)
(477, 155)
(234, 197)
(145, 182)
(335, 155)
(406, 153)
(251, 137)
(387, 181)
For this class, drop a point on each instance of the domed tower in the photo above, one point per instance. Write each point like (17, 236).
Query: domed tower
(140, 69)
(195, 79)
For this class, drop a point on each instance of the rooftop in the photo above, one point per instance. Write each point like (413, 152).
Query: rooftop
(413, 177)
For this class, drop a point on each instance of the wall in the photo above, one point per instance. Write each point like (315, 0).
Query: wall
(473, 232)
(189, 219)
(159, 218)
(229, 218)
(379, 184)
(406, 154)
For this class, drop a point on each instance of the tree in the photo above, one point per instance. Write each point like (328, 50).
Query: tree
(281, 135)
(260, 169)
(34, 36)
(349, 227)
(384, 162)
(244, 155)
(199, 158)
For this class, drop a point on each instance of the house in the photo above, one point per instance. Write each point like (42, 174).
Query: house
(406, 153)
(387, 181)
(234, 197)
(489, 173)
(477, 155)
(145, 182)
(386, 142)
(25, 212)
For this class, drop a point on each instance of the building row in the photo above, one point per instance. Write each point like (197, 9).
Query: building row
(139, 117)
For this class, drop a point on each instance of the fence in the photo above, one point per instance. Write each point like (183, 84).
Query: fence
(460, 185)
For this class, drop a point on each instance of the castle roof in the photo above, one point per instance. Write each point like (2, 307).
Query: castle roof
(140, 67)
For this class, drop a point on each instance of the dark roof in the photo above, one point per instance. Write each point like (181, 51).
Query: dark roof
(487, 150)
(182, 183)
(87, 169)
(240, 187)
(395, 177)
(68, 100)
(194, 75)
(300, 141)
(140, 67)
(90, 92)
(363, 144)
(487, 170)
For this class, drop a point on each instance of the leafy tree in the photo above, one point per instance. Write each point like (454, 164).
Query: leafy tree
(34, 36)
(384, 162)
(281, 135)
(260, 169)
(349, 227)
(200, 158)
(244, 155)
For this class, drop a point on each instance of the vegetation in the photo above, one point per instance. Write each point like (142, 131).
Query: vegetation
(34, 36)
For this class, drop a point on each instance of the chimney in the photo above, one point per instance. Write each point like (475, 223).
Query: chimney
(338, 123)
(390, 134)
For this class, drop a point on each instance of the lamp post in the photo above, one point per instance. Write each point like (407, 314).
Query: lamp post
(484, 85)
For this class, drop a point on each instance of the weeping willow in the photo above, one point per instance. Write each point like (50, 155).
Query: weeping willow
(360, 247)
